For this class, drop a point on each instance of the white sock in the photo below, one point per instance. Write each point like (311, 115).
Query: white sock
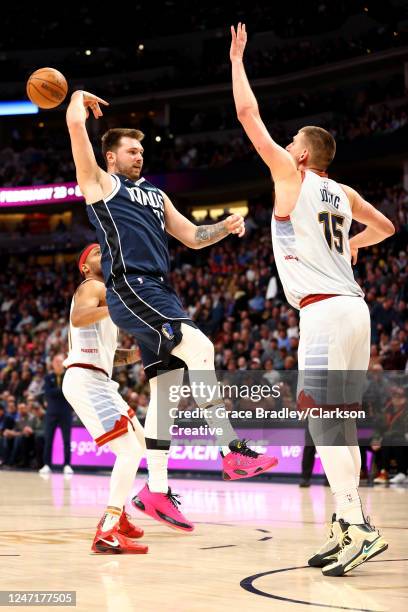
(128, 453)
(356, 456)
(348, 507)
(157, 427)
(157, 465)
(110, 518)
(340, 469)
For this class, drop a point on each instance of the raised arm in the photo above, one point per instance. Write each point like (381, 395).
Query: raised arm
(378, 226)
(92, 180)
(89, 304)
(281, 164)
(199, 236)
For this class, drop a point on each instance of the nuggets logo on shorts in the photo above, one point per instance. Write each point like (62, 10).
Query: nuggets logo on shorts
(167, 331)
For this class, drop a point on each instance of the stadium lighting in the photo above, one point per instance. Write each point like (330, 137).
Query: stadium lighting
(18, 107)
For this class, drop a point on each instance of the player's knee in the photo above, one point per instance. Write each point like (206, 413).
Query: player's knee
(202, 354)
(125, 445)
(207, 351)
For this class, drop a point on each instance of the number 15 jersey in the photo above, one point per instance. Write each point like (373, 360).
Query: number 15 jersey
(311, 246)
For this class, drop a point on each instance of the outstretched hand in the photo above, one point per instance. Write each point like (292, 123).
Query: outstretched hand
(235, 224)
(238, 42)
(91, 102)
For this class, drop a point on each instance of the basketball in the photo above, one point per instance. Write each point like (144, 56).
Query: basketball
(47, 87)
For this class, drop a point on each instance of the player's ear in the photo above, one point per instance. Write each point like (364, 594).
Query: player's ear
(110, 157)
(304, 155)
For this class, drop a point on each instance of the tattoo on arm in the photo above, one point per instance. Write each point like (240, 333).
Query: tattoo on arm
(209, 234)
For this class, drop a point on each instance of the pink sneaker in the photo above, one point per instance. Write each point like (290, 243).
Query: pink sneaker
(242, 462)
(162, 507)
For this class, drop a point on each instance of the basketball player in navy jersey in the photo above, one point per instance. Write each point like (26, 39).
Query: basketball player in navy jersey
(310, 236)
(132, 218)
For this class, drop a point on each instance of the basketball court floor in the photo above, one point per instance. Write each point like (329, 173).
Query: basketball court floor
(248, 551)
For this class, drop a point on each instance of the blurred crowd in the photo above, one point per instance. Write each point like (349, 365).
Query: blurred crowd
(301, 36)
(22, 165)
(231, 290)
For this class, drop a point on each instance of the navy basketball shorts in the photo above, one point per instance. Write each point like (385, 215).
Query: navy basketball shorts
(149, 309)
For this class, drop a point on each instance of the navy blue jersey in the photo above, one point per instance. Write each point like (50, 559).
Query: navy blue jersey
(131, 230)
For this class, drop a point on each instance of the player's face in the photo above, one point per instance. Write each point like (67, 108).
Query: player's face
(129, 158)
(93, 261)
(297, 149)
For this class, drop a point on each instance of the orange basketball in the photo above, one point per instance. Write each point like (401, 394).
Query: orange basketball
(47, 87)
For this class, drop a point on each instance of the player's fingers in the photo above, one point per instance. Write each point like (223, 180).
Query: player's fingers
(102, 101)
(233, 33)
(234, 227)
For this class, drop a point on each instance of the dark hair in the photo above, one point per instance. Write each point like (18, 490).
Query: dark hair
(111, 139)
(322, 145)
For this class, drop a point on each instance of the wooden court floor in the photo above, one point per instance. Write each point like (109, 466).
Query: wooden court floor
(248, 551)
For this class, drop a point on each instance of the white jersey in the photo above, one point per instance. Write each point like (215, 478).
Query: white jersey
(311, 246)
(93, 345)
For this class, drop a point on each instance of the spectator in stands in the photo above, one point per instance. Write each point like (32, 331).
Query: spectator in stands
(21, 437)
(58, 414)
(390, 441)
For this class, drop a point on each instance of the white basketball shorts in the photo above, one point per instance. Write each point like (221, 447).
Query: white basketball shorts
(96, 400)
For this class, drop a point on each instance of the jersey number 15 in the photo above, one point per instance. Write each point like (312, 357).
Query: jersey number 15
(332, 225)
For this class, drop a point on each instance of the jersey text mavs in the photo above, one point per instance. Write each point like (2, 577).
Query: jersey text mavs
(130, 226)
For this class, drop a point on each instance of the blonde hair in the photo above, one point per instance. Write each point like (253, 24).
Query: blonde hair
(321, 144)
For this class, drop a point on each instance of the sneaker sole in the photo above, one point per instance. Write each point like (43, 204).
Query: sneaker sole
(238, 474)
(340, 570)
(159, 519)
(101, 549)
(323, 560)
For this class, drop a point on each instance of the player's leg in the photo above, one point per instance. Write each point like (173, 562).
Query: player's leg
(197, 352)
(360, 540)
(152, 312)
(95, 399)
(156, 498)
(317, 342)
(358, 361)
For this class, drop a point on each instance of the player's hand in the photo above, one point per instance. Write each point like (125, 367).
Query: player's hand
(238, 42)
(235, 224)
(354, 255)
(91, 102)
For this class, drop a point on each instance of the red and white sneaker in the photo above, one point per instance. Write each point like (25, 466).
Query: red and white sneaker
(129, 529)
(163, 507)
(114, 542)
(242, 462)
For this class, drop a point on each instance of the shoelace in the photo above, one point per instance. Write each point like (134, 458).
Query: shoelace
(346, 540)
(244, 450)
(174, 498)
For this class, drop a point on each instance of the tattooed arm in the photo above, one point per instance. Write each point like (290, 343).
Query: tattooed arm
(210, 234)
(198, 237)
